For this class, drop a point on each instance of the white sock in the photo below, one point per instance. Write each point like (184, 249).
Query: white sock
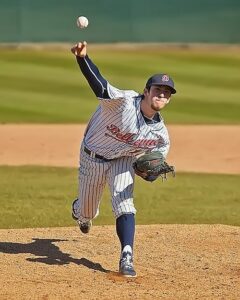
(127, 248)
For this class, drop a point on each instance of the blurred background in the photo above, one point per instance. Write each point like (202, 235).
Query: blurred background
(196, 42)
(186, 21)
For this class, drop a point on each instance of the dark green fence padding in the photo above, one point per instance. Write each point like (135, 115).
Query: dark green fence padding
(185, 21)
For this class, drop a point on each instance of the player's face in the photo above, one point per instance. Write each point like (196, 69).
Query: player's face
(158, 96)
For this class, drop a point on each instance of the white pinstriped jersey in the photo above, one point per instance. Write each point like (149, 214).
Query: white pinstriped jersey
(118, 128)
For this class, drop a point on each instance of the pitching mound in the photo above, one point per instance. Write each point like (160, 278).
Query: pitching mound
(172, 262)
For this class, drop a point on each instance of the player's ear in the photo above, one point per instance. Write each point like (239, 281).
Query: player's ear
(145, 91)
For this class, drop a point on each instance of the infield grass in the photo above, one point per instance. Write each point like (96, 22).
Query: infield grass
(42, 196)
(46, 86)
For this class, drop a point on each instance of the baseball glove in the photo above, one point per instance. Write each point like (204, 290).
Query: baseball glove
(152, 165)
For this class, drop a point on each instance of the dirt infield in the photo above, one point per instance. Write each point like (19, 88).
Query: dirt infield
(172, 262)
(214, 149)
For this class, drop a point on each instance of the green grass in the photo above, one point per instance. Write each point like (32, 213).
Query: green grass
(46, 86)
(42, 197)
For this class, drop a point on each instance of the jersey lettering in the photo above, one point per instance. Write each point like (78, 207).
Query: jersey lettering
(131, 138)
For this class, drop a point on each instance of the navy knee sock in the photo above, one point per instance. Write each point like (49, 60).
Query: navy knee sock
(125, 226)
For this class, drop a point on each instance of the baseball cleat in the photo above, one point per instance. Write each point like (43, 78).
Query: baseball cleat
(84, 226)
(126, 265)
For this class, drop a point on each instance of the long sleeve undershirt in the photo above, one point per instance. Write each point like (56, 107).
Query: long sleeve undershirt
(96, 81)
(99, 84)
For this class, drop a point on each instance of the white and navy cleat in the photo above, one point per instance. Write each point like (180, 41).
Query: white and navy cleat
(84, 225)
(126, 268)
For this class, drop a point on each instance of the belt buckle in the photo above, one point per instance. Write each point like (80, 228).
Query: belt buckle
(92, 154)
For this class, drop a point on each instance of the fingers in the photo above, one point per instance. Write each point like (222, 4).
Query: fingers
(73, 50)
(80, 49)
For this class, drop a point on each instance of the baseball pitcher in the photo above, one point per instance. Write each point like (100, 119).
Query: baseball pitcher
(125, 136)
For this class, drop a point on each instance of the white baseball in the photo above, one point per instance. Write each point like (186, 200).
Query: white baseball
(82, 22)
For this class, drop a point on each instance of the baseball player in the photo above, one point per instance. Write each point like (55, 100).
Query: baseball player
(124, 125)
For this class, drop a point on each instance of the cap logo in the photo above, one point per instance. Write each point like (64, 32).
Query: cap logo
(165, 78)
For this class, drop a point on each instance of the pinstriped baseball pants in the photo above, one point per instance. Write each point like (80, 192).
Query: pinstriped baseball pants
(94, 174)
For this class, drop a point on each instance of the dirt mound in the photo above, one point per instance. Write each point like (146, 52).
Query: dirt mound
(172, 262)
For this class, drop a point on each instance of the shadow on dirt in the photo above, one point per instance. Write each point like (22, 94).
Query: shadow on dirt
(49, 253)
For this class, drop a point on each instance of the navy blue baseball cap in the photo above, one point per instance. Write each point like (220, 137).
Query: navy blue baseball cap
(161, 79)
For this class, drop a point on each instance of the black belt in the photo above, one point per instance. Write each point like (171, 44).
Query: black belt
(95, 155)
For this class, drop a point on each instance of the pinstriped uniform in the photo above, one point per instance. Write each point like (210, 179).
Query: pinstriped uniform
(94, 174)
(118, 127)
(117, 131)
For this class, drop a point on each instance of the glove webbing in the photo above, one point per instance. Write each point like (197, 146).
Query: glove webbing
(166, 169)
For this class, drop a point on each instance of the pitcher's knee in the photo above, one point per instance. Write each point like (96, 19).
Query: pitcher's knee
(124, 207)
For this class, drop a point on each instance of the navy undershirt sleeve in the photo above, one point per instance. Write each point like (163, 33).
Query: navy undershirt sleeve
(90, 71)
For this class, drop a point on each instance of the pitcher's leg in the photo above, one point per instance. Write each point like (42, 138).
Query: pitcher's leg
(121, 182)
(92, 180)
